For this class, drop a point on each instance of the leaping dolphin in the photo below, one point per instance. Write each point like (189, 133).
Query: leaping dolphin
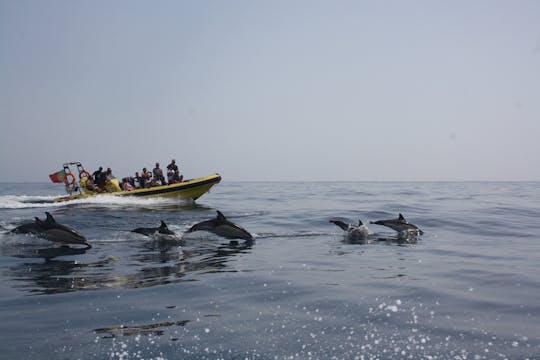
(162, 229)
(402, 226)
(355, 234)
(52, 231)
(222, 227)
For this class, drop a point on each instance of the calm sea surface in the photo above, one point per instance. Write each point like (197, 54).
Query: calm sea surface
(469, 288)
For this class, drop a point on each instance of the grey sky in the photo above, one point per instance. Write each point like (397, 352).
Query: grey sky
(272, 90)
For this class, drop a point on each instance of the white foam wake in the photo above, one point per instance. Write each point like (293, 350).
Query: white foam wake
(25, 201)
(33, 201)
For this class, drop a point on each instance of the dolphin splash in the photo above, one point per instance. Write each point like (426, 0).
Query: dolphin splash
(51, 230)
(162, 229)
(357, 234)
(222, 227)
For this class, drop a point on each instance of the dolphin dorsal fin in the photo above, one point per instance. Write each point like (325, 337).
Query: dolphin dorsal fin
(401, 217)
(37, 219)
(50, 218)
(220, 216)
(163, 225)
(360, 223)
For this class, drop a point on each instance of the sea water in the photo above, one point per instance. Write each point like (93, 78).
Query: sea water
(468, 288)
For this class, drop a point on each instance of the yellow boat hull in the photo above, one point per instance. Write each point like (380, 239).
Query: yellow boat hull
(190, 189)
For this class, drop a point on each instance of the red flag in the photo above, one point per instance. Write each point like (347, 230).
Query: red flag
(58, 177)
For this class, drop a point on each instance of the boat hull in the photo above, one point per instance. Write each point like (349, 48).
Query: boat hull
(190, 190)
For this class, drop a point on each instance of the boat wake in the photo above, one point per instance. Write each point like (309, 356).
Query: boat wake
(27, 201)
(112, 200)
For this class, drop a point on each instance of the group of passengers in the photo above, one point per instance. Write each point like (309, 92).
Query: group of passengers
(97, 182)
(148, 179)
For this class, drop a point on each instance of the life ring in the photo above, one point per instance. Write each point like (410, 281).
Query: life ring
(84, 173)
(67, 181)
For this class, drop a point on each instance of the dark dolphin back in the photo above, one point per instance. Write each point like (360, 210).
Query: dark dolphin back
(223, 227)
(203, 225)
(51, 230)
(143, 231)
(209, 225)
(32, 228)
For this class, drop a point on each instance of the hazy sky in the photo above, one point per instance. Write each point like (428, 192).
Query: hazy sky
(272, 90)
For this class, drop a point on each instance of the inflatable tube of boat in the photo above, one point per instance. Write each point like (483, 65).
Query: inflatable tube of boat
(112, 185)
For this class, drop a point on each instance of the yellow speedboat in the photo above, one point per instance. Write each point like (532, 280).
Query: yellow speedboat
(189, 189)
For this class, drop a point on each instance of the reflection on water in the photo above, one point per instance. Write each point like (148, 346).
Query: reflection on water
(390, 240)
(40, 252)
(145, 329)
(155, 263)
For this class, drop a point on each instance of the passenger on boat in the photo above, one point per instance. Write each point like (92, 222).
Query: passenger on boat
(89, 184)
(173, 173)
(158, 175)
(99, 178)
(177, 177)
(170, 177)
(138, 181)
(109, 175)
(172, 166)
(126, 186)
(147, 178)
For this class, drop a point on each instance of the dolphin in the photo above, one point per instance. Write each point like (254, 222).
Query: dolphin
(222, 227)
(51, 230)
(402, 226)
(162, 229)
(355, 234)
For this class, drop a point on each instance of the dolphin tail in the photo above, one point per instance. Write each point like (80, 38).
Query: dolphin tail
(341, 224)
